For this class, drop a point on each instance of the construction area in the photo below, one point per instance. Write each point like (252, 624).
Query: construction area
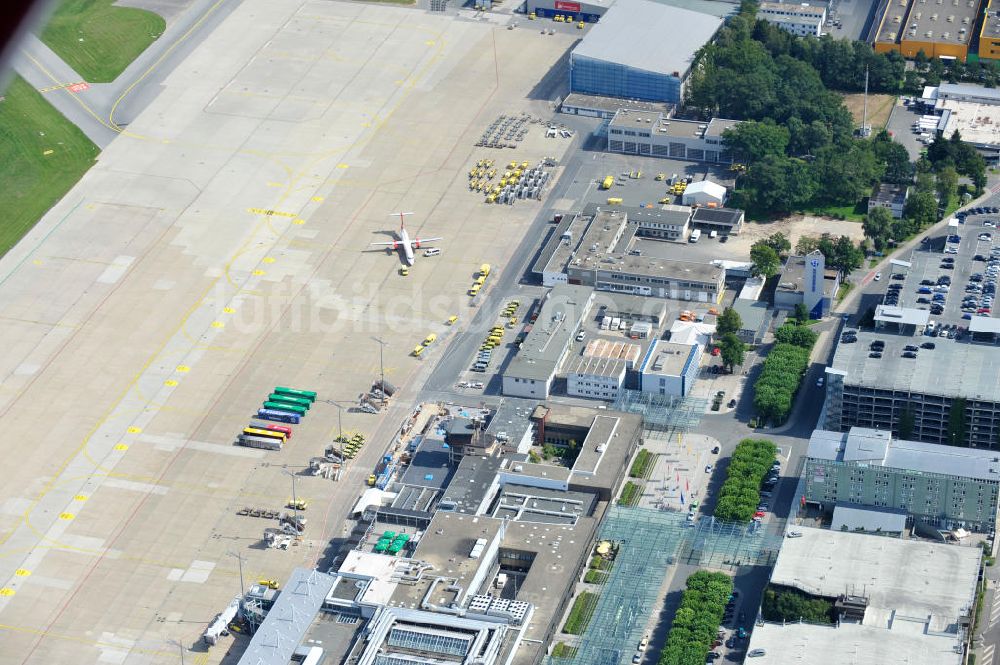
(219, 248)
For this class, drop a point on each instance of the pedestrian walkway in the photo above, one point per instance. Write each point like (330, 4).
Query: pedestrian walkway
(678, 478)
(651, 543)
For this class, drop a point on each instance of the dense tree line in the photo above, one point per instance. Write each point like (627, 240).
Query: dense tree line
(840, 254)
(779, 379)
(785, 604)
(797, 136)
(697, 619)
(740, 493)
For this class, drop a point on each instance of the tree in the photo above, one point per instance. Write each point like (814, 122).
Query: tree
(877, 226)
(732, 350)
(806, 245)
(778, 242)
(753, 140)
(801, 336)
(902, 229)
(921, 207)
(947, 185)
(728, 322)
(956, 430)
(765, 260)
(801, 312)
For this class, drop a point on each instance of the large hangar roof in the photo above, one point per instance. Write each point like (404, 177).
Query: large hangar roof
(648, 36)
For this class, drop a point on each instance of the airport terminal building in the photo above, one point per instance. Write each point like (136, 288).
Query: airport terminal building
(608, 61)
(656, 135)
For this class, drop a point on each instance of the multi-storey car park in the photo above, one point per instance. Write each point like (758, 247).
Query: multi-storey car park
(932, 356)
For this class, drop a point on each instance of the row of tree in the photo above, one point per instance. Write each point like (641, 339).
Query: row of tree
(732, 350)
(740, 493)
(697, 619)
(781, 374)
(840, 254)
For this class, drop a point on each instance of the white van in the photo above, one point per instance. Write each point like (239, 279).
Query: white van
(695, 235)
(713, 235)
(433, 251)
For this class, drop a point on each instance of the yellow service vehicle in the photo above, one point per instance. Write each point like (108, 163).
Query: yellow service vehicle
(417, 350)
(404, 270)
(559, 18)
(452, 319)
(512, 322)
(269, 583)
(660, 177)
(524, 165)
(532, 16)
(579, 26)
(607, 182)
(430, 339)
(614, 201)
(484, 270)
(473, 291)
(480, 280)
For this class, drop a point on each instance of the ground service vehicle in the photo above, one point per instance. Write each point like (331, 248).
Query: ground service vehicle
(417, 350)
(281, 428)
(430, 339)
(285, 399)
(255, 431)
(452, 319)
(695, 235)
(261, 442)
(475, 289)
(278, 416)
(614, 201)
(293, 392)
(282, 406)
(484, 270)
(607, 182)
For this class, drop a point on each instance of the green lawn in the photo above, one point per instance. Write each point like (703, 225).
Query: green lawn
(99, 40)
(579, 616)
(853, 213)
(631, 493)
(643, 464)
(35, 181)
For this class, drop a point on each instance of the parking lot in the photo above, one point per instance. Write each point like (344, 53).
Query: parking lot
(953, 275)
(900, 125)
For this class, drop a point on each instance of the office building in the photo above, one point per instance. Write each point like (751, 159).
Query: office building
(899, 602)
(656, 135)
(805, 280)
(599, 248)
(670, 368)
(889, 196)
(625, 54)
(597, 106)
(531, 371)
(799, 19)
(943, 487)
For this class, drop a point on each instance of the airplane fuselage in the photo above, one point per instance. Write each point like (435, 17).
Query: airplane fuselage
(404, 241)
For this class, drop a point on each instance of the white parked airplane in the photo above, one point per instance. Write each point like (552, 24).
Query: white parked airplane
(404, 241)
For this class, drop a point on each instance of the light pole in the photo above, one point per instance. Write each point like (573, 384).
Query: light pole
(295, 503)
(239, 557)
(381, 368)
(340, 426)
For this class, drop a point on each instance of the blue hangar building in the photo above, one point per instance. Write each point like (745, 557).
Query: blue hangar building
(640, 50)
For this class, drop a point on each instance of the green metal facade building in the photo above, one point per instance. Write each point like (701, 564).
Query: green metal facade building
(941, 486)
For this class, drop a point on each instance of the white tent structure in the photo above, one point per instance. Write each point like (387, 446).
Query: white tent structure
(703, 193)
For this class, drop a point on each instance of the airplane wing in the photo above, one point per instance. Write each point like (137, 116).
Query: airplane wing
(423, 241)
(392, 243)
